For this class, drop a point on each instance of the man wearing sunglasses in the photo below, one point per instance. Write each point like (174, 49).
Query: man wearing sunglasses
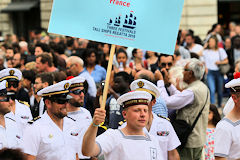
(75, 108)
(19, 111)
(9, 132)
(53, 135)
(165, 62)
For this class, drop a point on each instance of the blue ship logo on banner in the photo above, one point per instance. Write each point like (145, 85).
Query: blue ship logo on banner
(129, 22)
(145, 24)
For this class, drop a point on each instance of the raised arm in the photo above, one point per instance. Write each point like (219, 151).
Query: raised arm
(89, 146)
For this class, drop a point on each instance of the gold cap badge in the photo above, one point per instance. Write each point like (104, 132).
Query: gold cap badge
(66, 86)
(140, 84)
(11, 72)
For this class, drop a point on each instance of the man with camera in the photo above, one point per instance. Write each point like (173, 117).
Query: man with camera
(189, 103)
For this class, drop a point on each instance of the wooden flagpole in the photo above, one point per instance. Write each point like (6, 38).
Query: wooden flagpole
(109, 70)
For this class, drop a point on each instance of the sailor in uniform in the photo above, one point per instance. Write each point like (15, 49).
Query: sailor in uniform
(53, 136)
(227, 133)
(20, 111)
(158, 125)
(9, 132)
(75, 108)
(127, 143)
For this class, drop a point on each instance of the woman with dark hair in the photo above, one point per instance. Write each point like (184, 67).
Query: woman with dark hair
(105, 55)
(214, 56)
(213, 119)
(91, 66)
(138, 63)
(122, 58)
(151, 57)
(216, 30)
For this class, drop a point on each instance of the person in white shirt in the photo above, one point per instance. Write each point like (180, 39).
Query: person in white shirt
(227, 141)
(214, 56)
(191, 45)
(157, 125)
(53, 135)
(10, 136)
(80, 115)
(130, 142)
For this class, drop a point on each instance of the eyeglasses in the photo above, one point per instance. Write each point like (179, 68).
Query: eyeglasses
(14, 84)
(67, 68)
(165, 64)
(60, 100)
(78, 91)
(185, 69)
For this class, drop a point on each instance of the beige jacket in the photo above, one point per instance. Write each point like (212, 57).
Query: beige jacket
(189, 113)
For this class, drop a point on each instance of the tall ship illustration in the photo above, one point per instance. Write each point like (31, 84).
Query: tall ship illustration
(110, 22)
(130, 21)
(117, 21)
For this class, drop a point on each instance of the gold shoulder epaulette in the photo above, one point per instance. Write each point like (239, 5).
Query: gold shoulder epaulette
(121, 122)
(163, 117)
(25, 103)
(34, 119)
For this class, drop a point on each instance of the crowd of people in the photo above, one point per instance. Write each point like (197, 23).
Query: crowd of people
(51, 88)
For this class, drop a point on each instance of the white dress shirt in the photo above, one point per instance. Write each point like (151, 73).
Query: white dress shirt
(10, 135)
(177, 99)
(45, 140)
(82, 120)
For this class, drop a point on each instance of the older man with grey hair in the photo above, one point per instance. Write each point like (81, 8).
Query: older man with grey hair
(188, 103)
(75, 67)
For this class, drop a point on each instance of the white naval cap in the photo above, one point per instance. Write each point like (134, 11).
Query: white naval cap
(145, 85)
(10, 73)
(55, 89)
(134, 98)
(3, 88)
(235, 83)
(3, 85)
(77, 81)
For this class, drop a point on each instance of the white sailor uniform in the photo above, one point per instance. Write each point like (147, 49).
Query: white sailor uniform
(82, 120)
(23, 111)
(22, 115)
(81, 115)
(227, 139)
(10, 136)
(163, 130)
(45, 140)
(114, 145)
(166, 134)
